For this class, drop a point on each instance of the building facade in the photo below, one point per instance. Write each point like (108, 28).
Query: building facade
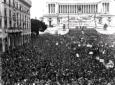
(75, 13)
(15, 23)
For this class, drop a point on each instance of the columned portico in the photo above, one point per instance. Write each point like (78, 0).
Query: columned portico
(79, 9)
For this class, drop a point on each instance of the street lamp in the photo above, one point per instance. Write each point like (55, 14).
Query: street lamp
(80, 21)
(68, 18)
(95, 20)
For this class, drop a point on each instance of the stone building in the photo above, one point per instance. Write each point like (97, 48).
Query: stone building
(15, 24)
(73, 13)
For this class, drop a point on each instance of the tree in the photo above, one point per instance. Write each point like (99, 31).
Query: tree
(37, 25)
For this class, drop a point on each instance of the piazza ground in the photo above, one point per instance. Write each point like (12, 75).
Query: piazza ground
(79, 54)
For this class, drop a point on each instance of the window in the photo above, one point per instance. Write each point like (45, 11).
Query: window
(0, 23)
(5, 12)
(49, 7)
(9, 2)
(0, 45)
(17, 19)
(14, 17)
(10, 13)
(5, 1)
(105, 7)
(5, 22)
(13, 3)
(10, 23)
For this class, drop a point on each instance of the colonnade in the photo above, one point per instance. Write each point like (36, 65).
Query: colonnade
(51, 8)
(91, 8)
(105, 7)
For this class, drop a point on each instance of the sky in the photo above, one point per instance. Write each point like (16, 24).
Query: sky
(37, 9)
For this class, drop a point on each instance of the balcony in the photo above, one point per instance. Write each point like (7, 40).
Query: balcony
(14, 30)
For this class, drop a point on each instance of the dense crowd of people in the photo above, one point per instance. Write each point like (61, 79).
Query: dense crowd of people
(81, 57)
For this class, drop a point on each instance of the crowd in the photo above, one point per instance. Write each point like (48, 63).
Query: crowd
(81, 57)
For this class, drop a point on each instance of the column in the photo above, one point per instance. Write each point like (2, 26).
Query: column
(106, 7)
(92, 9)
(86, 8)
(65, 9)
(75, 9)
(61, 8)
(70, 8)
(54, 8)
(79, 9)
(95, 8)
(103, 7)
(89, 8)
(50, 8)
(83, 9)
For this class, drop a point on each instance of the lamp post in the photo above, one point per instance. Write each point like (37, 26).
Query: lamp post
(68, 19)
(79, 20)
(95, 20)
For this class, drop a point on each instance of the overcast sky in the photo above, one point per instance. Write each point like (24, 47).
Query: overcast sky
(37, 9)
